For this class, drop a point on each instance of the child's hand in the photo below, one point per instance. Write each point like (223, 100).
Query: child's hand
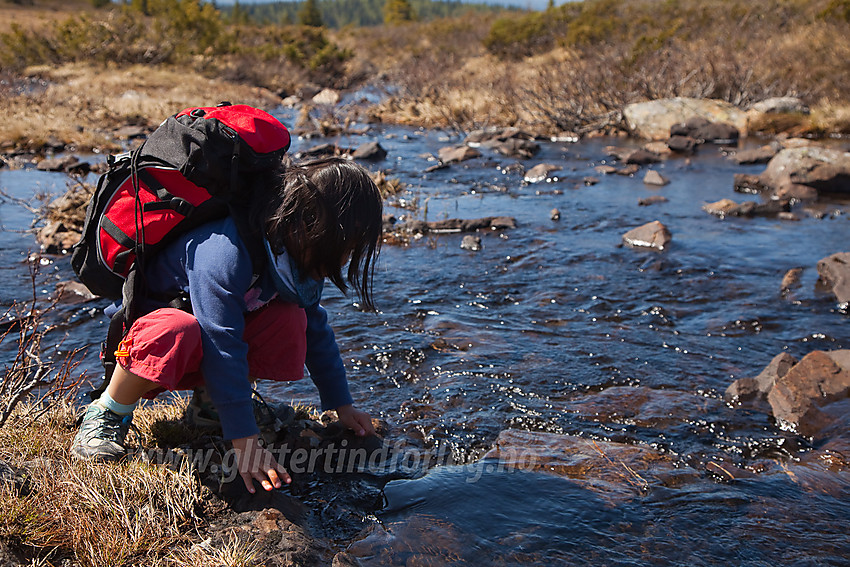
(255, 462)
(356, 420)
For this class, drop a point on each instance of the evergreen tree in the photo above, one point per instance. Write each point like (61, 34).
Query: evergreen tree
(397, 12)
(141, 6)
(238, 15)
(309, 15)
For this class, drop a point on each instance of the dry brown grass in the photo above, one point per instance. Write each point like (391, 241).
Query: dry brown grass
(102, 514)
(83, 104)
(40, 14)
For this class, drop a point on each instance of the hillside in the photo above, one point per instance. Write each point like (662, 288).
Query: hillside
(340, 13)
(569, 68)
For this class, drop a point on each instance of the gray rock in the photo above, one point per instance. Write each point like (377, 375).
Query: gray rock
(652, 177)
(518, 147)
(67, 164)
(728, 207)
(654, 119)
(755, 155)
(456, 154)
(652, 200)
(328, 97)
(806, 172)
(370, 151)
(834, 275)
(682, 144)
(471, 242)
(540, 172)
(781, 104)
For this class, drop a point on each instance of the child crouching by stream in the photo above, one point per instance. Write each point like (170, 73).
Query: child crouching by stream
(323, 215)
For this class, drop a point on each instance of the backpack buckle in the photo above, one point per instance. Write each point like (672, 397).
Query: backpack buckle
(181, 206)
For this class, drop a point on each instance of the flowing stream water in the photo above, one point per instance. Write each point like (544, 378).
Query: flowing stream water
(556, 327)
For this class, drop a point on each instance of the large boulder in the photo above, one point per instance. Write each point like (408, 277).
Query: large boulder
(654, 119)
(806, 172)
(834, 275)
(809, 397)
(801, 398)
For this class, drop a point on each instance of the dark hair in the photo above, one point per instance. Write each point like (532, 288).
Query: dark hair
(324, 210)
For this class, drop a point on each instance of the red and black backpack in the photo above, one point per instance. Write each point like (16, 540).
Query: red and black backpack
(189, 171)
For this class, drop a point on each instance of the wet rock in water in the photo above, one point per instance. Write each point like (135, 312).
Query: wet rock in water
(605, 169)
(471, 242)
(801, 399)
(628, 170)
(718, 133)
(57, 237)
(518, 147)
(682, 144)
(747, 183)
(834, 276)
(809, 397)
(702, 130)
(659, 148)
(555, 215)
(456, 154)
(322, 150)
(650, 235)
(436, 167)
(654, 119)
(652, 200)
(791, 280)
(749, 389)
(73, 292)
(614, 469)
(540, 172)
(728, 207)
(633, 156)
(457, 225)
(762, 154)
(642, 157)
(66, 164)
(492, 137)
(652, 177)
(806, 172)
(370, 151)
(589, 181)
(328, 97)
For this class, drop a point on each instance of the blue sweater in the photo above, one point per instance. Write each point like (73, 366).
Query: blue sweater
(213, 265)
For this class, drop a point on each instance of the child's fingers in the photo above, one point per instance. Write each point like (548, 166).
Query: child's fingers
(248, 479)
(365, 424)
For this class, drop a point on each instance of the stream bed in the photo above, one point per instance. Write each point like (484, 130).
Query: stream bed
(558, 329)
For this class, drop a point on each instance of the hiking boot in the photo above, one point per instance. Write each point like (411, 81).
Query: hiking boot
(202, 413)
(101, 435)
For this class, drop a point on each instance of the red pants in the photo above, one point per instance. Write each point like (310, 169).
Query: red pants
(164, 346)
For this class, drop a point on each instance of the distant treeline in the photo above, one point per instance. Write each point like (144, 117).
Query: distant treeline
(340, 13)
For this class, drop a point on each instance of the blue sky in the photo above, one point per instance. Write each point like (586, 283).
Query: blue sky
(531, 4)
